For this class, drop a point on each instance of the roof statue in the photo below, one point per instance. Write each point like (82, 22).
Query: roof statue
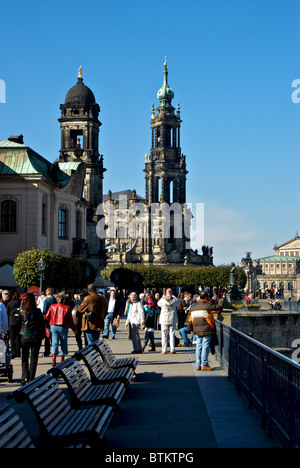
(80, 72)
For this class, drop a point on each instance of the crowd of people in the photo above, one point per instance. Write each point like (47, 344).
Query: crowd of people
(30, 321)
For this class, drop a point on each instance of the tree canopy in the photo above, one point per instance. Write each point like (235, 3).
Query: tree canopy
(139, 276)
(60, 272)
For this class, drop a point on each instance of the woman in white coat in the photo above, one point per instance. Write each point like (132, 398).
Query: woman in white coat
(135, 318)
(168, 319)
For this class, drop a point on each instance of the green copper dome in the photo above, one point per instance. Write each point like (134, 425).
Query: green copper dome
(165, 93)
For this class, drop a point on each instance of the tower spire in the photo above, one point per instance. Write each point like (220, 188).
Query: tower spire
(165, 94)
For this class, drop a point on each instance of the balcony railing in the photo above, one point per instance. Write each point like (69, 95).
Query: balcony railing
(269, 381)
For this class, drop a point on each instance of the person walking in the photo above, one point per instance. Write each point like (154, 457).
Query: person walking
(112, 311)
(168, 319)
(14, 323)
(77, 318)
(32, 333)
(48, 301)
(150, 315)
(92, 309)
(3, 319)
(181, 311)
(60, 319)
(135, 319)
(201, 324)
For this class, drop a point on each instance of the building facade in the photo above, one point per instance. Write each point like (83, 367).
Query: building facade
(280, 271)
(41, 205)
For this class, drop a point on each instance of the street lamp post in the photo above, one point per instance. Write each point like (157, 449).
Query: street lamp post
(41, 267)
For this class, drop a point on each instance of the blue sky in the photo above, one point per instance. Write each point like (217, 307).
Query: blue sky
(231, 65)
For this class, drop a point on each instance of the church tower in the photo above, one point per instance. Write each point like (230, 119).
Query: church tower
(165, 174)
(79, 125)
(165, 168)
(159, 223)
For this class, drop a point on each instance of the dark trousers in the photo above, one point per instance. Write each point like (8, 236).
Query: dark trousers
(30, 347)
(181, 319)
(15, 340)
(47, 341)
(78, 337)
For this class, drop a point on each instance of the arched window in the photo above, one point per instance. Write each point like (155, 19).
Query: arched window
(8, 216)
(63, 223)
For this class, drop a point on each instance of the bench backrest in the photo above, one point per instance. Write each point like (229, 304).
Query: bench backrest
(105, 352)
(46, 399)
(74, 376)
(12, 431)
(93, 361)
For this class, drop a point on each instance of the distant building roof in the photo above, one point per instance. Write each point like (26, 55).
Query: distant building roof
(20, 160)
(126, 193)
(277, 258)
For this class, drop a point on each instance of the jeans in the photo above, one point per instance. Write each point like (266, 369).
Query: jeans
(184, 335)
(136, 340)
(149, 335)
(91, 336)
(202, 350)
(107, 322)
(59, 335)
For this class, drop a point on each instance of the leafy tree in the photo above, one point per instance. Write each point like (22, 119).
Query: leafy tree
(60, 272)
(26, 270)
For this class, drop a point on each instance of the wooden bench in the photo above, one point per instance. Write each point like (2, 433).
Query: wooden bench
(82, 391)
(110, 359)
(60, 424)
(12, 430)
(99, 373)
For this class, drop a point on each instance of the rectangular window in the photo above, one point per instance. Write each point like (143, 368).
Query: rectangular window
(44, 219)
(8, 216)
(62, 224)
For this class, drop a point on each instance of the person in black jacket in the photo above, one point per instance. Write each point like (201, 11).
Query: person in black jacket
(32, 334)
(14, 323)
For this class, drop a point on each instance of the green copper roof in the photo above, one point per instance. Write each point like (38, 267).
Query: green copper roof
(165, 93)
(20, 160)
(278, 258)
(69, 166)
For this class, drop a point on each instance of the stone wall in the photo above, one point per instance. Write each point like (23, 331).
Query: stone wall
(276, 330)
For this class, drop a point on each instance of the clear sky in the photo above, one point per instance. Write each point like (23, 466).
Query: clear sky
(231, 66)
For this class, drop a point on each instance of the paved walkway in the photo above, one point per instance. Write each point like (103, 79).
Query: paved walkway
(169, 405)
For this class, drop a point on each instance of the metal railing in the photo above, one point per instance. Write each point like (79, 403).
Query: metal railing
(292, 306)
(269, 381)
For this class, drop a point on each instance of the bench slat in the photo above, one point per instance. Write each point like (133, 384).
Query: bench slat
(12, 430)
(60, 424)
(82, 390)
(97, 370)
(110, 359)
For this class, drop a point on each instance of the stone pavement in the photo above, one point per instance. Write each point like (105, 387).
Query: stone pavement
(168, 405)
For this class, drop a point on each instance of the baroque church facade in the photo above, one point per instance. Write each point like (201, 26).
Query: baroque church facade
(66, 197)
(155, 228)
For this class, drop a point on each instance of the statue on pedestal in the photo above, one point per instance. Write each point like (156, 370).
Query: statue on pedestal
(234, 292)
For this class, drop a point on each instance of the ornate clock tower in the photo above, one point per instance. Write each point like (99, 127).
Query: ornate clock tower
(80, 126)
